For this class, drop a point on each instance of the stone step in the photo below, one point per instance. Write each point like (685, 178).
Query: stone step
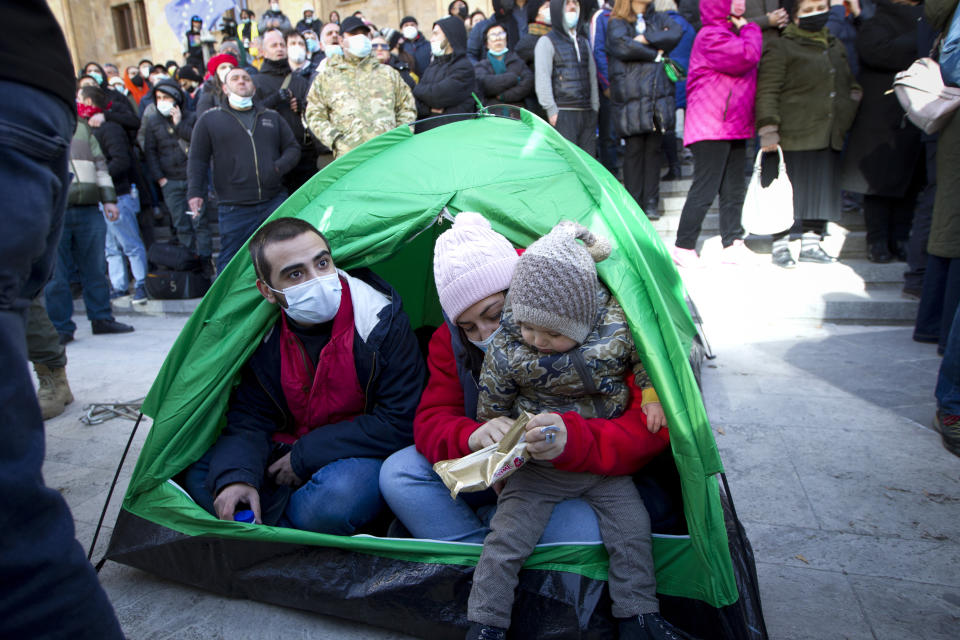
(850, 292)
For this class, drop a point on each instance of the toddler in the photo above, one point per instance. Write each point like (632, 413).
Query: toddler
(565, 346)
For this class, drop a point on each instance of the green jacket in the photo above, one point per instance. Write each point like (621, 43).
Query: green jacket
(806, 92)
(352, 101)
(945, 227)
(91, 180)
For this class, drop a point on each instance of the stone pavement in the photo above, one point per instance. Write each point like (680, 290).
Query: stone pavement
(850, 501)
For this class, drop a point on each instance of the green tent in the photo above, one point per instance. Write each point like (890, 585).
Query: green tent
(382, 206)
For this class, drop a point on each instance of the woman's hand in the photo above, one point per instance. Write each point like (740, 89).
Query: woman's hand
(642, 39)
(538, 446)
(656, 418)
(738, 21)
(489, 433)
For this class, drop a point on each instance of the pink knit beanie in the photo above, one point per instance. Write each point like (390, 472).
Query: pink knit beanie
(470, 262)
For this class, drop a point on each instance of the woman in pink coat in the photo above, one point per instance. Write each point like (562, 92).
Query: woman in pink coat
(721, 86)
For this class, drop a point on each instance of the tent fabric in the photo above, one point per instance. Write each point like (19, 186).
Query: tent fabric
(382, 205)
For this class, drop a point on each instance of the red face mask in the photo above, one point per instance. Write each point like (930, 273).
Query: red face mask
(85, 111)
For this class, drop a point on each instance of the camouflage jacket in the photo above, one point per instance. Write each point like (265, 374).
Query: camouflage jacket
(588, 379)
(352, 101)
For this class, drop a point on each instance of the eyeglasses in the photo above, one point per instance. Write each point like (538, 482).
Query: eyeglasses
(383, 47)
(497, 35)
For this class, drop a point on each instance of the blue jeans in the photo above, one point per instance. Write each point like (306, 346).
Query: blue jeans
(123, 239)
(338, 499)
(422, 503)
(83, 242)
(238, 222)
(48, 587)
(948, 381)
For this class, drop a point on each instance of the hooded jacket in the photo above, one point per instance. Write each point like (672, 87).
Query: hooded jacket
(641, 92)
(164, 142)
(564, 68)
(419, 48)
(449, 81)
(389, 368)
(722, 79)
(513, 21)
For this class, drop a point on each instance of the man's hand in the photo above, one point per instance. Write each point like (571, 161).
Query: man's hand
(553, 119)
(282, 473)
(537, 445)
(656, 418)
(195, 205)
(778, 17)
(294, 106)
(642, 39)
(175, 115)
(489, 433)
(435, 110)
(233, 495)
(110, 211)
(162, 182)
(96, 120)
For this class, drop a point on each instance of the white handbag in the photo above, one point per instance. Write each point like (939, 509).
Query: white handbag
(768, 210)
(929, 104)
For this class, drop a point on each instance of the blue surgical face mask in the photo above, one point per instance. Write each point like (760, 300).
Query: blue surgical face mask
(359, 45)
(312, 45)
(570, 18)
(314, 301)
(484, 344)
(333, 50)
(240, 103)
(96, 76)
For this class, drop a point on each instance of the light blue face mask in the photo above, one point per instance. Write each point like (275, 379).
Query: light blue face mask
(312, 45)
(333, 50)
(484, 344)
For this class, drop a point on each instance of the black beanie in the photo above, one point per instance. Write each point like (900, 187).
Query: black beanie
(409, 19)
(533, 8)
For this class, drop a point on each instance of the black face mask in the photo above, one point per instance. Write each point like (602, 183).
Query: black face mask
(462, 12)
(814, 22)
(137, 80)
(507, 5)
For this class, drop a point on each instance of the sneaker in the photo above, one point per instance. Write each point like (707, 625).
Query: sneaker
(114, 294)
(109, 326)
(479, 631)
(685, 258)
(649, 626)
(140, 295)
(949, 427)
(738, 254)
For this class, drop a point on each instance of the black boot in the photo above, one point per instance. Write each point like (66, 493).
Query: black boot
(879, 253)
(109, 326)
(673, 174)
(900, 250)
(650, 626)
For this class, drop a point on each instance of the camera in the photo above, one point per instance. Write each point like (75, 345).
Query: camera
(285, 94)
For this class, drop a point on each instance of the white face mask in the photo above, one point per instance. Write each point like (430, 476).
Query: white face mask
(238, 102)
(436, 48)
(296, 53)
(410, 33)
(164, 108)
(483, 345)
(275, 7)
(314, 301)
(570, 19)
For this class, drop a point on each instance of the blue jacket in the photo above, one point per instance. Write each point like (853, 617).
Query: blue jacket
(681, 54)
(390, 370)
(844, 28)
(598, 39)
(420, 50)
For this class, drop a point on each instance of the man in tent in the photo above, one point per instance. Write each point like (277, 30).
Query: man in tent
(329, 393)
(355, 98)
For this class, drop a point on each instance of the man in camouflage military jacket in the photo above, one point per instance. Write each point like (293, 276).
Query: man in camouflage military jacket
(355, 98)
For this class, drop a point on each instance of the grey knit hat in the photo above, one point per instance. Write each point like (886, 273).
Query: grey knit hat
(555, 284)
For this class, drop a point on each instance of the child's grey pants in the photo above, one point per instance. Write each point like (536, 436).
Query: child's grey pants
(523, 509)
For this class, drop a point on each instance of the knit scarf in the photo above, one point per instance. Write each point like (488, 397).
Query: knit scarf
(497, 61)
(538, 29)
(86, 111)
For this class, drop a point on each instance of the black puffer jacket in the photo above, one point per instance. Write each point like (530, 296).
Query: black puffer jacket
(116, 148)
(642, 95)
(161, 147)
(510, 87)
(449, 81)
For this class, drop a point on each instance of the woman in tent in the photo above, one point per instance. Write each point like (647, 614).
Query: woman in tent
(473, 267)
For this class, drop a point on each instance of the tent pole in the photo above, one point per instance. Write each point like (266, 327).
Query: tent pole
(116, 476)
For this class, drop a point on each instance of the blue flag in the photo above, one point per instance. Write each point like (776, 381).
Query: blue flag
(179, 12)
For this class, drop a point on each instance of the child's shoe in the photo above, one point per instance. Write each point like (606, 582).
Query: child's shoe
(479, 631)
(649, 626)
(685, 258)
